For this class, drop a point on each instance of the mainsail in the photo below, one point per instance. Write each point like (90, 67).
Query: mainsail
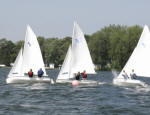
(16, 69)
(140, 58)
(81, 58)
(32, 57)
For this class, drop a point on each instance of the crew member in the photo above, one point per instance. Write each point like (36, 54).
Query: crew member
(84, 75)
(125, 75)
(40, 72)
(133, 75)
(77, 76)
(30, 73)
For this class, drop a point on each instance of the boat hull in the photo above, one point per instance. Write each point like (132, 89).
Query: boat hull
(80, 81)
(128, 82)
(26, 79)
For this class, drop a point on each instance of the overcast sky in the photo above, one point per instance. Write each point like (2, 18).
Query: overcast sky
(54, 18)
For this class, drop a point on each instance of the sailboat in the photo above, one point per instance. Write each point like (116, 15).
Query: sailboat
(77, 59)
(139, 61)
(29, 58)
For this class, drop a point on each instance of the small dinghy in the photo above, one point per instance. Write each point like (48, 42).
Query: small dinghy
(138, 63)
(29, 58)
(77, 59)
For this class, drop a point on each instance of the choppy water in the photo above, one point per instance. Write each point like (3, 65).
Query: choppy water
(65, 99)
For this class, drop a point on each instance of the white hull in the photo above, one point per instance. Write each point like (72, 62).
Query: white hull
(26, 79)
(128, 82)
(80, 81)
(30, 58)
(64, 81)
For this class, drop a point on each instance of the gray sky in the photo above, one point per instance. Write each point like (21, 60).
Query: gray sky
(54, 18)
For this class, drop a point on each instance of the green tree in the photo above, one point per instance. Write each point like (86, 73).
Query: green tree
(6, 51)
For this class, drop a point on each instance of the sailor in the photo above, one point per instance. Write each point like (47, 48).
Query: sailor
(125, 75)
(40, 72)
(84, 75)
(30, 73)
(77, 76)
(133, 75)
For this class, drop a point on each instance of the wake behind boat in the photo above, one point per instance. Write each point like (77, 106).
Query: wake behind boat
(83, 81)
(138, 62)
(129, 82)
(77, 59)
(27, 59)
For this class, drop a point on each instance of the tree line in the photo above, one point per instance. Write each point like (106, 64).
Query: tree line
(110, 47)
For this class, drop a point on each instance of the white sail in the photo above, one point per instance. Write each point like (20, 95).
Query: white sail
(140, 58)
(81, 58)
(32, 57)
(16, 69)
(65, 69)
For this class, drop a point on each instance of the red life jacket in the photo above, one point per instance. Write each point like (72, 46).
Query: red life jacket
(84, 75)
(30, 73)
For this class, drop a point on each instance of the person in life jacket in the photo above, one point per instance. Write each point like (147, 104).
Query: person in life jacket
(30, 73)
(133, 75)
(77, 76)
(125, 75)
(40, 72)
(84, 75)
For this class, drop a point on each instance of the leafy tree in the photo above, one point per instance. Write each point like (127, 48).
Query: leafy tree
(6, 52)
(111, 45)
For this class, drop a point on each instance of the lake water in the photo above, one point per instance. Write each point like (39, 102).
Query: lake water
(65, 99)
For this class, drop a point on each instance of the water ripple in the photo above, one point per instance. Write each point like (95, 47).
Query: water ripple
(65, 99)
